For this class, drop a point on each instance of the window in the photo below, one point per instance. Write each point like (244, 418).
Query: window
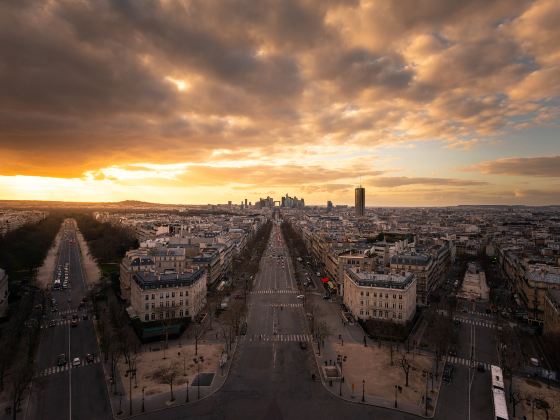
(153, 316)
(146, 317)
(167, 295)
(172, 294)
(161, 315)
(394, 296)
(367, 293)
(361, 302)
(386, 295)
(361, 311)
(153, 305)
(400, 305)
(186, 293)
(153, 295)
(181, 293)
(181, 302)
(161, 304)
(386, 304)
(400, 296)
(375, 294)
(166, 303)
(147, 306)
(393, 306)
(400, 315)
(367, 312)
(361, 293)
(146, 297)
(161, 295)
(181, 313)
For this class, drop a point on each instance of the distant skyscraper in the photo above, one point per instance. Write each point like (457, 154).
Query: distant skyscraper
(360, 201)
(329, 206)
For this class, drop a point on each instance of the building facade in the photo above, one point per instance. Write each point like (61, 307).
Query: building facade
(168, 296)
(387, 297)
(360, 201)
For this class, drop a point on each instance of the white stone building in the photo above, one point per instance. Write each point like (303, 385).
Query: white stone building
(388, 297)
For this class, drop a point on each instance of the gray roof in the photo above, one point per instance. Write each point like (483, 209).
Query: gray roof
(149, 280)
(389, 281)
(411, 259)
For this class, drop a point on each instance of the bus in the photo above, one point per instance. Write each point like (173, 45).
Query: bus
(498, 394)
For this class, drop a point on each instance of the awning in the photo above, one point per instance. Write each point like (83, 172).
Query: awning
(325, 279)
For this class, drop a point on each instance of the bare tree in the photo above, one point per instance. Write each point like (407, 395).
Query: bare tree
(405, 367)
(20, 380)
(166, 375)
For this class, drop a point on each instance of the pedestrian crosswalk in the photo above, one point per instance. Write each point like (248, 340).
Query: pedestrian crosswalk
(273, 291)
(280, 337)
(68, 311)
(477, 322)
(57, 323)
(482, 314)
(466, 362)
(57, 369)
(286, 305)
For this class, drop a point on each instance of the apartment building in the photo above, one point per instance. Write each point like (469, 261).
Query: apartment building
(387, 297)
(423, 267)
(4, 293)
(134, 261)
(168, 296)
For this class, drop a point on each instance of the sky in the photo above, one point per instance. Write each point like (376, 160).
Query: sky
(423, 102)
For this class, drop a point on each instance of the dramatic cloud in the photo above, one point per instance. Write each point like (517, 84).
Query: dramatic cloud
(286, 95)
(537, 166)
(399, 181)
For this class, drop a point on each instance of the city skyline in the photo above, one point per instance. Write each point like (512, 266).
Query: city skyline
(199, 102)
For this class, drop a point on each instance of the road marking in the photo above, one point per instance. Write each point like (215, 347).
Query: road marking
(480, 323)
(281, 337)
(273, 291)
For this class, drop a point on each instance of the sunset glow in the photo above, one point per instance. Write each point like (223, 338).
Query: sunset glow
(203, 102)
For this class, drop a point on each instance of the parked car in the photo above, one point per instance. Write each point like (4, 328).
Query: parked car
(61, 360)
(76, 362)
(480, 367)
(89, 358)
(303, 345)
(52, 323)
(300, 296)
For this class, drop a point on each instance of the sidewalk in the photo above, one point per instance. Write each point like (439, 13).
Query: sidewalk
(368, 377)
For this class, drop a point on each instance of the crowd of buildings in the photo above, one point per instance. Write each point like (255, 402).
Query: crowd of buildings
(179, 258)
(14, 219)
(407, 252)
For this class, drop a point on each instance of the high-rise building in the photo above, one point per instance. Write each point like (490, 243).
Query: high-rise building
(329, 206)
(360, 201)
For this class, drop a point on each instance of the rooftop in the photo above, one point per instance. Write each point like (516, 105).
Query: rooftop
(149, 280)
(372, 279)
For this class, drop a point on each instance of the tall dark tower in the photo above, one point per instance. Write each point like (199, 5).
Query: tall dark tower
(360, 201)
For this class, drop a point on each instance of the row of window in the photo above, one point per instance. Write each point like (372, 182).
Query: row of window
(167, 304)
(169, 314)
(381, 295)
(147, 297)
(381, 314)
(379, 304)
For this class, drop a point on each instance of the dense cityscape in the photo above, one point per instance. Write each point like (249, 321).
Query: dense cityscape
(280, 210)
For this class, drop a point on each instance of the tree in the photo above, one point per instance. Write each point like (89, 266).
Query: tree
(166, 375)
(21, 380)
(405, 367)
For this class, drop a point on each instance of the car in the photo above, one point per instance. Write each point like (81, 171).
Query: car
(300, 297)
(75, 320)
(326, 297)
(480, 367)
(303, 345)
(54, 309)
(452, 351)
(447, 375)
(61, 360)
(89, 358)
(85, 317)
(52, 323)
(76, 362)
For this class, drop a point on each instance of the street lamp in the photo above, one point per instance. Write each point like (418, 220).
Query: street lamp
(363, 390)
(396, 389)
(187, 399)
(143, 389)
(198, 380)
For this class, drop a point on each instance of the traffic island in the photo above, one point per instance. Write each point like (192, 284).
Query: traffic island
(377, 376)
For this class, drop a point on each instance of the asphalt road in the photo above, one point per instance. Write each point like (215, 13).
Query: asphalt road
(65, 392)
